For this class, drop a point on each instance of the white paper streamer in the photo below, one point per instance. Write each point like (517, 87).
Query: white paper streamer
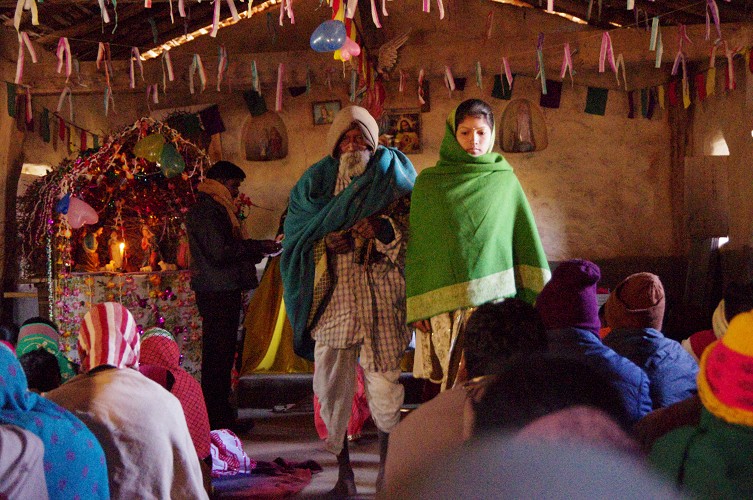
(196, 65)
(61, 99)
(23, 5)
(103, 11)
(449, 80)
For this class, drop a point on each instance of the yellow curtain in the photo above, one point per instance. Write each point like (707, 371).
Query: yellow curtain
(268, 346)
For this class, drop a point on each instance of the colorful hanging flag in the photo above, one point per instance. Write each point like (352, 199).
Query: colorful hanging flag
(553, 95)
(700, 85)
(502, 87)
(596, 101)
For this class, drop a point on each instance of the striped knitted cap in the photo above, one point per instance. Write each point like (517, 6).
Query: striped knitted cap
(108, 337)
(725, 379)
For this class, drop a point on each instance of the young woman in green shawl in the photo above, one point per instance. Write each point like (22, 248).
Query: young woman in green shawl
(473, 240)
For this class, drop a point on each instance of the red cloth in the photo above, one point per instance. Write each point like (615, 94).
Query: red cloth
(359, 412)
(164, 352)
(699, 341)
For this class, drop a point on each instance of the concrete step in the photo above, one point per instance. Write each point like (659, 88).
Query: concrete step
(268, 390)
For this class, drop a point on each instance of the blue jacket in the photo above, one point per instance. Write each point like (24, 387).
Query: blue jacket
(630, 382)
(671, 370)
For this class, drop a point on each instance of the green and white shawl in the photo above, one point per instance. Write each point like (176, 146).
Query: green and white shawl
(473, 238)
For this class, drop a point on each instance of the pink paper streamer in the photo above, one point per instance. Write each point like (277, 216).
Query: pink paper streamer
(384, 8)
(508, 73)
(440, 6)
(182, 8)
(401, 87)
(732, 84)
(135, 56)
(606, 52)
(152, 93)
(375, 15)
(278, 98)
(489, 24)
(427, 6)
(712, 11)
(147, 4)
(567, 63)
(64, 53)
(100, 54)
(288, 9)
(421, 87)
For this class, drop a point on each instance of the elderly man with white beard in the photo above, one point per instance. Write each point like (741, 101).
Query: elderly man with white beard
(342, 269)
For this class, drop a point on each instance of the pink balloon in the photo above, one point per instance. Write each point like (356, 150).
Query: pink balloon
(351, 47)
(80, 213)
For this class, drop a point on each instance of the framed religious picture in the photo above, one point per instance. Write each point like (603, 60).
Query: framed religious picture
(324, 111)
(401, 129)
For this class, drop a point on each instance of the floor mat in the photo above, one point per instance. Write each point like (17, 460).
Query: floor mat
(277, 479)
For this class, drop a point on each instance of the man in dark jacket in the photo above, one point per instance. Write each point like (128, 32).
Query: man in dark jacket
(635, 312)
(222, 266)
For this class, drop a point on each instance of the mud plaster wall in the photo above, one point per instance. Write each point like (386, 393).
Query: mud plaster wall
(600, 190)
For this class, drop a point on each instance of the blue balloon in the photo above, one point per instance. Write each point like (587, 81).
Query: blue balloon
(328, 36)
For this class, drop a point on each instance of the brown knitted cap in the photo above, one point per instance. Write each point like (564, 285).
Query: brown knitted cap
(637, 302)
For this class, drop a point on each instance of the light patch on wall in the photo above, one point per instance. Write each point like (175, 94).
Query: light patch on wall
(29, 173)
(723, 241)
(716, 145)
(35, 169)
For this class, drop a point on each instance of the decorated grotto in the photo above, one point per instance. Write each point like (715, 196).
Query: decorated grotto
(108, 226)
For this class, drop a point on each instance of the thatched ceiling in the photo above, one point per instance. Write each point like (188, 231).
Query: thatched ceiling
(81, 21)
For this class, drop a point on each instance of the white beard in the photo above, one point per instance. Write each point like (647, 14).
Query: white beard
(352, 164)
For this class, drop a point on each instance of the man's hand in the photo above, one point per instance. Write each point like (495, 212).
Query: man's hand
(422, 325)
(374, 227)
(270, 248)
(338, 242)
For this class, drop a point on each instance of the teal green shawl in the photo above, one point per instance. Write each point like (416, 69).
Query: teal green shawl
(314, 211)
(472, 235)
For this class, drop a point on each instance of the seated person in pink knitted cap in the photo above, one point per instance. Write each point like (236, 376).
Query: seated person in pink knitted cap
(570, 313)
(140, 425)
(714, 459)
(635, 313)
(159, 350)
